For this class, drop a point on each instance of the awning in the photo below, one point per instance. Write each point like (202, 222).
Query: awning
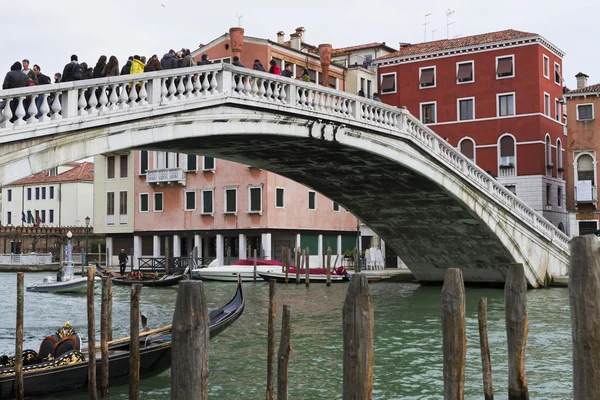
(388, 83)
(505, 66)
(465, 72)
(427, 78)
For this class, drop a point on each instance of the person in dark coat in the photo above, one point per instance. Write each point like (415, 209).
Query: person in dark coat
(42, 79)
(88, 72)
(288, 72)
(258, 66)
(274, 68)
(15, 78)
(237, 62)
(127, 67)
(204, 60)
(169, 61)
(57, 77)
(97, 73)
(111, 68)
(72, 71)
(123, 261)
(361, 93)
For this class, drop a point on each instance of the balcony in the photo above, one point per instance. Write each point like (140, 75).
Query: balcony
(170, 176)
(585, 192)
(507, 171)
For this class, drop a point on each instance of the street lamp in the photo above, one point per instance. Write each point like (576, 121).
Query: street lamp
(68, 272)
(87, 224)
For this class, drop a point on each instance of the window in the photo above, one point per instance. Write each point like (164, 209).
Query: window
(51, 192)
(588, 227)
(208, 163)
(336, 206)
(506, 104)
(505, 67)
(559, 163)
(467, 148)
(143, 162)
(123, 203)
(465, 72)
(388, 83)
(369, 92)
(50, 216)
(585, 112)
(546, 67)
(30, 219)
(37, 217)
(557, 76)
(144, 206)
(207, 201)
(546, 104)
(312, 200)
(9, 218)
(158, 202)
(43, 193)
(559, 196)
(427, 77)
(279, 197)
(123, 166)
(558, 110)
(230, 200)
(44, 216)
(28, 193)
(190, 200)
(548, 194)
(362, 84)
(428, 115)
(110, 167)
(548, 148)
(192, 162)
(466, 109)
(37, 193)
(110, 203)
(9, 195)
(507, 151)
(255, 196)
(53, 171)
(585, 168)
(512, 188)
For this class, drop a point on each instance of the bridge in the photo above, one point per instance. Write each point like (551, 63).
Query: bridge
(431, 204)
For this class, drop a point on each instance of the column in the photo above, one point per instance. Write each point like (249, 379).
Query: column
(198, 244)
(155, 246)
(220, 250)
(266, 245)
(206, 251)
(320, 251)
(109, 251)
(242, 244)
(176, 246)
(339, 251)
(298, 240)
(137, 250)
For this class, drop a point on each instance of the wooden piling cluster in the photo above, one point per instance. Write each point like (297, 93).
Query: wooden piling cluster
(20, 395)
(105, 331)
(92, 392)
(134, 343)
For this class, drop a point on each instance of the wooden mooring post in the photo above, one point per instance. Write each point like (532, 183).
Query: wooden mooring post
(271, 341)
(92, 392)
(167, 255)
(515, 304)
(105, 331)
(298, 264)
(20, 389)
(190, 334)
(454, 334)
(307, 267)
(255, 262)
(357, 323)
(286, 263)
(134, 343)
(283, 355)
(328, 266)
(486, 362)
(584, 296)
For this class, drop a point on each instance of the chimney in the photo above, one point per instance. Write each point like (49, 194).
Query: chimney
(280, 37)
(236, 35)
(295, 41)
(581, 80)
(403, 44)
(325, 53)
(301, 31)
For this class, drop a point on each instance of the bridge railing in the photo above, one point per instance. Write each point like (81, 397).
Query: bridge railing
(132, 97)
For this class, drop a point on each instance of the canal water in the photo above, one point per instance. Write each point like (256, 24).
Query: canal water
(408, 352)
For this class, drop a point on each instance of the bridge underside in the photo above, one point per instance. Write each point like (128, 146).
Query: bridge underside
(429, 229)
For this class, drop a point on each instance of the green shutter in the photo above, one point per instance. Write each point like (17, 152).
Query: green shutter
(310, 241)
(348, 243)
(332, 239)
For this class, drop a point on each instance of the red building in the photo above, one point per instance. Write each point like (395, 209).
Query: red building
(497, 97)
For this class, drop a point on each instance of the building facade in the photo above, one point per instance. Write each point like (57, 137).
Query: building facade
(497, 97)
(584, 144)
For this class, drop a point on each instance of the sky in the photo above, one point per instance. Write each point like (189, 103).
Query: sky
(48, 32)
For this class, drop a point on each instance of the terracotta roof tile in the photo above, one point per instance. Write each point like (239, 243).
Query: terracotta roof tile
(356, 48)
(81, 172)
(588, 89)
(466, 41)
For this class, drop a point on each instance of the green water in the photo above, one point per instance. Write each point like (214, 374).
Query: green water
(408, 353)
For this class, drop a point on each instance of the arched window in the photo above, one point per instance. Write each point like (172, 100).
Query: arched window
(507, 151)
(548, 151)
(559, 163)
(561, 227)
(585, 168)
(467, 147)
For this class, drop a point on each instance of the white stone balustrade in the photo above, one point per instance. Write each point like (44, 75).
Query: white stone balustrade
(89, 103)
(166, 175)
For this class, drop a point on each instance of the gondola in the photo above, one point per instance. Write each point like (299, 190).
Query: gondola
(67, 372)
(165, 281)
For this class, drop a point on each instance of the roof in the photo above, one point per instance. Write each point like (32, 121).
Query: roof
(588, 89)
(359, 47)
(466, 41)
(81, 172)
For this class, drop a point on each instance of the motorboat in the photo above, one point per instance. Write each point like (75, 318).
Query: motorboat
(315, 275)
(230, 273)
(60, 365)
(65, 282)
(149, 280)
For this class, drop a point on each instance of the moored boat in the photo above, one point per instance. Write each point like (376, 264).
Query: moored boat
(65, 282)
(241, 268)
(316, 275)
(163, 281)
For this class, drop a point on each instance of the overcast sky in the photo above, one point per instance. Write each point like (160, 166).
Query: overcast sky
(48, 32)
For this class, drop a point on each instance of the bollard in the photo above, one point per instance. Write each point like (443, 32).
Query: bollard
(454, 334)
(515, 304)
(92, 393)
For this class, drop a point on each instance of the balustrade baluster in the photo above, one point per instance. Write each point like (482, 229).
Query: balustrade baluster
(44, 108)
(114, 98)
(81, 103)
(103, 100)
(6, 114)
(133, 95)
(349, 108)
(372, 114)
(172, 89)
(275, 91)
(143, 94)
(56, 106)
(239, 85)
(188, 86)
(247, 87)
(180, 87)
(282, 93)
(328, 102)
(20, 112)
(197, 84)
(93, 101)
(255, 91)
(163, 90)
(214, 84)
(32, 111)
(344, 107)
(322, 101)
(261, 90)
(124, 97)
(205, 83)
(303, 100)
(269, 90)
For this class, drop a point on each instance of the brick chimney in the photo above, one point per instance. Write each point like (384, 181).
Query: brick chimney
(582, 80)
(295, 41)
(236, 35)
(325, 53)
(280, 37)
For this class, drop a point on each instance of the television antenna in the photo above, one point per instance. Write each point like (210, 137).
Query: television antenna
(239, 17)
(425, 25)
(449, 13)
(433, 34)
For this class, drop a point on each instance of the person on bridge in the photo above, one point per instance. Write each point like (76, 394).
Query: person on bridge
(187, 60)
(376, 97)
(42, 79)
(305, 75)
(57, 77)
(274, 68)
(204, 60)
(169, 61)
(257, 66)
(127, 67)
(99, 67)
(111, 68)
(237, 62)
(288, 72)
(15, 79)
(153, 64)
(137, 66)
(72, 71)
(122, 262)
(30, 74)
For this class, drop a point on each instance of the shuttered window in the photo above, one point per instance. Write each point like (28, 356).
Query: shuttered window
(427, 78)
(388, 83)
(465, 72)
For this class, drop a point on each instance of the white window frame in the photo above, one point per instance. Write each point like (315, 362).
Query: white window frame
(225, 190)
(308, 201)
(213, 169)
(212, 192)
(585, 104)
(124, 218)
(558, 110)
(126, 170)
(559, 150)
(276, 189)
(547, 105)
(110, 218)
(162, 201)
(458, 108)
(185, 205)
(114, 170)
(140, 173)
(500, 152)
(250, 187)
(548, 153)
(514, 67)
(468, 138)
(434, 77)
(187, 167)
(333, 203)
(546, 62)
(435, 110)
(472, 62)
(559, 73)
(498, 95)
(140, 200)
(576, 163)
(395, 82)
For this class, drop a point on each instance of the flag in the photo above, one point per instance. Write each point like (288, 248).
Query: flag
(30, 219)
(38, 220)
(23, 216)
